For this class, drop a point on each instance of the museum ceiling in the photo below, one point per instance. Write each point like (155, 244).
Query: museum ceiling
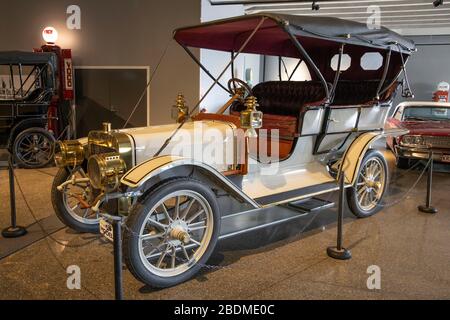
(408, 17)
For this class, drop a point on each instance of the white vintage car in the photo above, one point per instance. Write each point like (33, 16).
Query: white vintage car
(279, 143)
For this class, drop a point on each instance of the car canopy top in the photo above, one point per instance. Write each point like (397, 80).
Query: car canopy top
(315, 40)
(27, 58)
(271, 38)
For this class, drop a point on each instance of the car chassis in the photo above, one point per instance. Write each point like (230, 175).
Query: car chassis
(173, 205)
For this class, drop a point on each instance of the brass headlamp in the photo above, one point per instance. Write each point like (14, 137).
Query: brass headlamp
(180, 111)
(251, 118)
(105, 171)
(69, 153)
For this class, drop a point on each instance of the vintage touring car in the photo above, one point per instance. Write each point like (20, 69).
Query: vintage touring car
(173, 204)
(27, 93)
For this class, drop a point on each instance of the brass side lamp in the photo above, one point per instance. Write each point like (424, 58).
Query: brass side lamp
(180, 111)
(251, 118)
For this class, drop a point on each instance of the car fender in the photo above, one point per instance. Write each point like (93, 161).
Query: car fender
(354, 155)
(22, 125)
(138, 178)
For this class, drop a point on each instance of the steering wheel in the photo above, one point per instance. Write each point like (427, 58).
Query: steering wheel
(234, 84)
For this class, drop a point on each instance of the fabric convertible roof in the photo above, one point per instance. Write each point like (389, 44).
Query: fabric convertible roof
(27, 58)
(312, 32)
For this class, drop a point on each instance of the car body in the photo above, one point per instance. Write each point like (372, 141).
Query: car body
(428, 124)
(278, 143)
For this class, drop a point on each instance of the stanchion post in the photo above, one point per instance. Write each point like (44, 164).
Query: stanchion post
(339, 252)
(428, 208)
(13, 231)
(118, 283)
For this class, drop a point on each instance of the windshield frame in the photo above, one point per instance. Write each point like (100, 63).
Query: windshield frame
(418, 118)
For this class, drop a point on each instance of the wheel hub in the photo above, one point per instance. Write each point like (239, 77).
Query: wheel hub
(372, 184)
(178, 232)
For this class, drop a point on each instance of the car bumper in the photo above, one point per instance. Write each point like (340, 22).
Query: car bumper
(418, 153)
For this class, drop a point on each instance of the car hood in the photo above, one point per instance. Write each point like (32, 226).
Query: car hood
(438, 128)
(189, 141)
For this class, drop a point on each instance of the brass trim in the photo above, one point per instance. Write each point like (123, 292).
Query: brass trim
(69, 153)
(113, 141)
(105, 171)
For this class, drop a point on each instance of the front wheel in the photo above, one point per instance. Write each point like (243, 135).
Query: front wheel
(365, 197)
(71, 204)
(171, 233)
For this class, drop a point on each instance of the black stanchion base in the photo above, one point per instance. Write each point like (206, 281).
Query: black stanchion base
(342, 254)
(425, 209)
(14, 232)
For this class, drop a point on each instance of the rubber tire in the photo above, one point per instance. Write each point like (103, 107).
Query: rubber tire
(136, 218)
(403, 163)
(351, 192)
(61, 211)
(41, 131)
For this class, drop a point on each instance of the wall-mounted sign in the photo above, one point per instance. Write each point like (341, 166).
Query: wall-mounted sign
(50, 35)
(66, 55)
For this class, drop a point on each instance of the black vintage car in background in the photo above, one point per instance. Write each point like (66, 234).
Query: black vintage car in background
(28, 113)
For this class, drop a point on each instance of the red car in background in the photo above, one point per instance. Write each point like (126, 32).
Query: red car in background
(429, 129)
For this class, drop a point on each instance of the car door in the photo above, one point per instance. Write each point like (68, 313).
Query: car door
(342, 121)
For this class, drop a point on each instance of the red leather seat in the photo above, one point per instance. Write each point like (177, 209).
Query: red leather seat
(360, 92)
(286, 98)
(282, 102)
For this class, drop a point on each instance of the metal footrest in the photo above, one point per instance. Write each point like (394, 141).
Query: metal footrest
(310, 205)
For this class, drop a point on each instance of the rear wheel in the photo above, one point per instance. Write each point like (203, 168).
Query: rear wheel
(171, 233)
(364, 198)
(33, 148)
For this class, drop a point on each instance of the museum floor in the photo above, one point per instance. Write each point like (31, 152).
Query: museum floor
(287, 261)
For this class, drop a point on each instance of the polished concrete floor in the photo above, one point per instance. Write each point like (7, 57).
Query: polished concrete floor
(287, 261)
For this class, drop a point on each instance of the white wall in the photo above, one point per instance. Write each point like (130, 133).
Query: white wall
(427, 67)
(215, 61)
(271, 74)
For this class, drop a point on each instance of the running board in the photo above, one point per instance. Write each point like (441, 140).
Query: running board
(256, 219)
(298, 194)
(310, 205)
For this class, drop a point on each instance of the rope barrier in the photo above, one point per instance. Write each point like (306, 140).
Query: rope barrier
(408, 192)
(49, 236)
(32, 213)
(337, 252)
(46, 173)
(148, 84)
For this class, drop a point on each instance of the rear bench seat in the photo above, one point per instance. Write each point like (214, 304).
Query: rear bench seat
(282, 102)
(360, 92)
